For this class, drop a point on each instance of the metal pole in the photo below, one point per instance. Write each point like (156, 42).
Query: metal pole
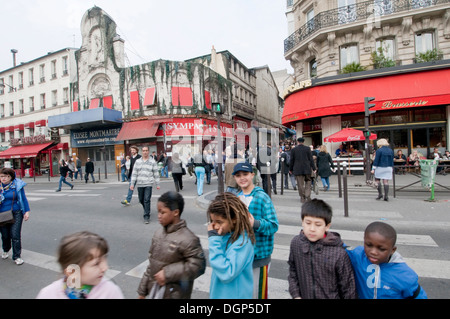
(339, 178)
(345, 190)
(220, 186)
(282, 175)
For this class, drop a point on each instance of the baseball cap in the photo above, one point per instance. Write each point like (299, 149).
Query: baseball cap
(242, 167)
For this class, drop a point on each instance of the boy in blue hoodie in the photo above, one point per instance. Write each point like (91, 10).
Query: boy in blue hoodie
(380, 271)
(264, 220)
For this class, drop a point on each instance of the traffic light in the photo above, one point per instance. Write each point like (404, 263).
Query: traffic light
(366, 133)
(218, 108)
(369, 105)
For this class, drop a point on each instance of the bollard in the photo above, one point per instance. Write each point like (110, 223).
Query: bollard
(339, 179)
(282, 176)
(345, 189)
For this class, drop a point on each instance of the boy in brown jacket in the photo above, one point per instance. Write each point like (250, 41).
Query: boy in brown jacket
(176, 255)
(319, 267)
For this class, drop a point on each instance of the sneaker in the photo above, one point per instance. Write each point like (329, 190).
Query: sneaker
(58, 190)
(71, 187)
(5, 255)
(146, 221)
(18, 261)
(125, 202)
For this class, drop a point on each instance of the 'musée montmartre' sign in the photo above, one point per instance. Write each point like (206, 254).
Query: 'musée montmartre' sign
(95, 137)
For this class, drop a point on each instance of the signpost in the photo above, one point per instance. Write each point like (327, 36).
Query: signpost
(219, 110)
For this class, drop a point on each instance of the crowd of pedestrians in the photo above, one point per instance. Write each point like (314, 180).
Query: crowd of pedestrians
(241, 229)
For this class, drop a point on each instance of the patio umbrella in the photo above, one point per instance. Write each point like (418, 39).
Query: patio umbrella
(348, 135)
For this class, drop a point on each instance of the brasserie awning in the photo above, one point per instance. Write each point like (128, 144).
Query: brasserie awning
(24, 151)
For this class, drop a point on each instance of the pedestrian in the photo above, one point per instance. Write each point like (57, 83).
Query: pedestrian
(63, 172)
(302, 166)
(123, 168)
(14, 200)
(199, 164)
(89, 170)
(319, 267)
(72, 168)
(231, 248)
(134, 150)
(264, 221)
(164, 162)
(230, 162)
(177, 171)
(380, 271)
(285, 161)
(145, 174)
(83, 259)
(176, 256)
(382, 167)
(78, 165)
(324, 167)
(266, 164)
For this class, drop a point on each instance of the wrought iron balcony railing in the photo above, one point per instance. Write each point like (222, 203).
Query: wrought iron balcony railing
(364, 11)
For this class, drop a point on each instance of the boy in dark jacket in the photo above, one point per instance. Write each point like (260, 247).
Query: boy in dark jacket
(319, 267)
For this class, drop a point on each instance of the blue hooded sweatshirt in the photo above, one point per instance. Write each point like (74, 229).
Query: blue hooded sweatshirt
(231, 263)
(391, 280)
(20, 200)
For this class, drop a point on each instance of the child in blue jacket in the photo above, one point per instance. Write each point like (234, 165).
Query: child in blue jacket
(380, 271)
(231, 241)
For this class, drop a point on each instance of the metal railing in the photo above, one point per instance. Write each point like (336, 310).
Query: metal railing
(363, 11)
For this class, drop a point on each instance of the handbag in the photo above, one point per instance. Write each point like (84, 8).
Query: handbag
(7, 217)
(183, 170)
(157, 291)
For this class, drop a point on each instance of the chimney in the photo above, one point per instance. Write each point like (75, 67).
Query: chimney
(14, 51)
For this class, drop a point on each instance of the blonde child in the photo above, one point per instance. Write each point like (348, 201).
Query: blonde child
(176, 255)
(83, 259)
(231, 251)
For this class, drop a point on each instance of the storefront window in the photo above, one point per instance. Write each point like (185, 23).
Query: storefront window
(391, 117)
(429, 114)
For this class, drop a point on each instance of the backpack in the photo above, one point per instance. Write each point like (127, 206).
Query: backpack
(288, 158)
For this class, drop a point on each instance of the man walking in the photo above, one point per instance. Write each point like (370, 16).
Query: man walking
(302, 165)
(145, 174)
(134, 156)
(78, 170)
(89, 170)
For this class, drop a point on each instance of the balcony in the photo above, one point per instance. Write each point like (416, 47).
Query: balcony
(363, 11)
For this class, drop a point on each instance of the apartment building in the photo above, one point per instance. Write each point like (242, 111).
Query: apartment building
(29, 93)
(396, 51)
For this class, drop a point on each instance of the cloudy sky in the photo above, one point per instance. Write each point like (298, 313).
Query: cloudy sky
(252, 30)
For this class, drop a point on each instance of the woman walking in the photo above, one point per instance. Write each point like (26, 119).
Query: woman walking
(382, 167)
(324, 166)
(63, 170)
(12, 198)
(177, 171)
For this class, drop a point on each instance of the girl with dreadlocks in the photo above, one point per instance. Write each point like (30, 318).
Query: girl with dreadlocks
(231, 240)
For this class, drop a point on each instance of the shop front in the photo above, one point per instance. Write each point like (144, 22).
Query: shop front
(412, 108)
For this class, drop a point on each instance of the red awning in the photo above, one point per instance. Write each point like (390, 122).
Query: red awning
(40, 123)
(2, 129)
(138, 129)
(59, 146)
(29, 125)
(394, 92)
(23, 151)
(150, 94)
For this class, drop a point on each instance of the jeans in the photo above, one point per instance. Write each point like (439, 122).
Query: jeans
(200, 173)
(123, 172)
(78, 171)
(86, 177)
(11, 235)
(145, 195)
(326, 182)
(62, 179)
(165, 171)
(130, 194)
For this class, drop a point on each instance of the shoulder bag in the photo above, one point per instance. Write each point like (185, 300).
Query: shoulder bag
(7, 217)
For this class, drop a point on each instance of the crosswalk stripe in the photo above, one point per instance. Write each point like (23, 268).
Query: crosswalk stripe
(35, 199)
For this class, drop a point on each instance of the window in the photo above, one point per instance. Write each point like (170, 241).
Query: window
(310, 20)
(424, 42)
(349, 54)
(65, 66)
(53, 69)
(31, 76)
(313, 68)
(416, 4)
(11, 108)
(386, 46)
(383, 7)
(31, 103)
(2, 86)
(21, 106)
(54, 98)
(42, 101)
(20, 80)
(65, 95)
(2, 110)
(42, 73)
(11, 83)
(346, 11)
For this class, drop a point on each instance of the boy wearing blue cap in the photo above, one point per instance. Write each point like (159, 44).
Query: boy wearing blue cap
(265, 224)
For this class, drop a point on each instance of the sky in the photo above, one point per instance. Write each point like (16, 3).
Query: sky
(252, 30)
